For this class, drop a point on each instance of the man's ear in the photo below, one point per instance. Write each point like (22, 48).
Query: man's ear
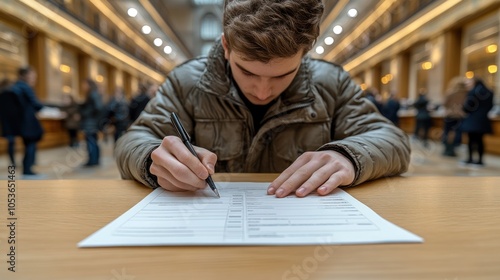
(226, 48)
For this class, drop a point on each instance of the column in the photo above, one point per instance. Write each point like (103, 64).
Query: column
(127, 84)
(436, 81)
(38, 60)
(400, 69)
(53, 71)
(83, 72)
(111, 74)
(372, 77)
(451, 57)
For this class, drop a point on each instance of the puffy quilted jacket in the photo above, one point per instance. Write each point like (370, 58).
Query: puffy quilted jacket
(322, 109)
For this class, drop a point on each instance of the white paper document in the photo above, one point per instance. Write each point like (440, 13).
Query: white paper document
(246, 215)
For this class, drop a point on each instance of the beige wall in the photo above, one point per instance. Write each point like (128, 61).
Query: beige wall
(13, 50)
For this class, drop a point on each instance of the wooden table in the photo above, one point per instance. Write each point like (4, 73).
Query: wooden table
(459, 218)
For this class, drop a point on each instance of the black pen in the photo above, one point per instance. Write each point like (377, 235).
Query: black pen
(185, 139)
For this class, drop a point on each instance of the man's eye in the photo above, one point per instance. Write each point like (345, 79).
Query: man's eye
(247, 73)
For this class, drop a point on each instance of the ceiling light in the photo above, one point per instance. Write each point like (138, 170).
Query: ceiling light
(64, 68)
(352, 13)
(167, 49)
(492, 69)
(329, 40)
(320, 50)
(158, 42)
(132, 12)
(427, 65)
(337, 29)
(491, 48)
(146, 29)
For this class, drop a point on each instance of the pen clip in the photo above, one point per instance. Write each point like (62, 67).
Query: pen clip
(179, 127)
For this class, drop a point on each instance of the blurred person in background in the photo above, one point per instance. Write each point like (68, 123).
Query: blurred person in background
(390, 109)
(91, 111)
(453, 115)
(374, 97)
(423, 118)
(10, 117)
(476, 123)
(139, 102)
(72, 120)
(31, 128)
(118, 113)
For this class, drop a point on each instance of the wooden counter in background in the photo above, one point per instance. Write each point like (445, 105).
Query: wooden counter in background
(492, 141)
(55, 134)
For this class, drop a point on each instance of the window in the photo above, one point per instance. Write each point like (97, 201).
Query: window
(480, 52)
(207, 2)
(210, 27)
(82, 11)
(97, 22)
(68, 72)
(420, 70)
(205, 49)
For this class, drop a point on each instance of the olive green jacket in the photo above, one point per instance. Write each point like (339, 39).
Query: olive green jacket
(322, 109)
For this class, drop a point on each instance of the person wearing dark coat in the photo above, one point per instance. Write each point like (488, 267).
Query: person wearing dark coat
(374, 97)
(478, 103)
(31, 128)
(423, 118)
(390, 109)
(91, 112)
(118, 113)
(139, 102)
(10, 117)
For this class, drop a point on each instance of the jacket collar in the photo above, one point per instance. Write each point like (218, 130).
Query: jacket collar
(217, 79)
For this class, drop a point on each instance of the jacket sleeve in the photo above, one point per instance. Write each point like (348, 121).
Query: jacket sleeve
(133, 150)
(376, 147)
(30, 97)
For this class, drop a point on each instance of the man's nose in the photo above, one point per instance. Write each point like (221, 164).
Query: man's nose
(264, 90)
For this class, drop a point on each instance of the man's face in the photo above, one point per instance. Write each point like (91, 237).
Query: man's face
(31, 78)
(262, 82)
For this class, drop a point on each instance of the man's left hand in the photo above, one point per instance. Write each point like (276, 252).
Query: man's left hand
(323, 170)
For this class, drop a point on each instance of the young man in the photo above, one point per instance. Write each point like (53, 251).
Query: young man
(257, 103)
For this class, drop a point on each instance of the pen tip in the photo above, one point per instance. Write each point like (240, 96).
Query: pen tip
(217, 193)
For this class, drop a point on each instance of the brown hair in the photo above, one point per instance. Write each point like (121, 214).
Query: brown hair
(265, 29)
(23, 71)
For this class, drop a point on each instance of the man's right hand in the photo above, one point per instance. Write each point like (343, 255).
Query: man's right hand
(178, 169)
